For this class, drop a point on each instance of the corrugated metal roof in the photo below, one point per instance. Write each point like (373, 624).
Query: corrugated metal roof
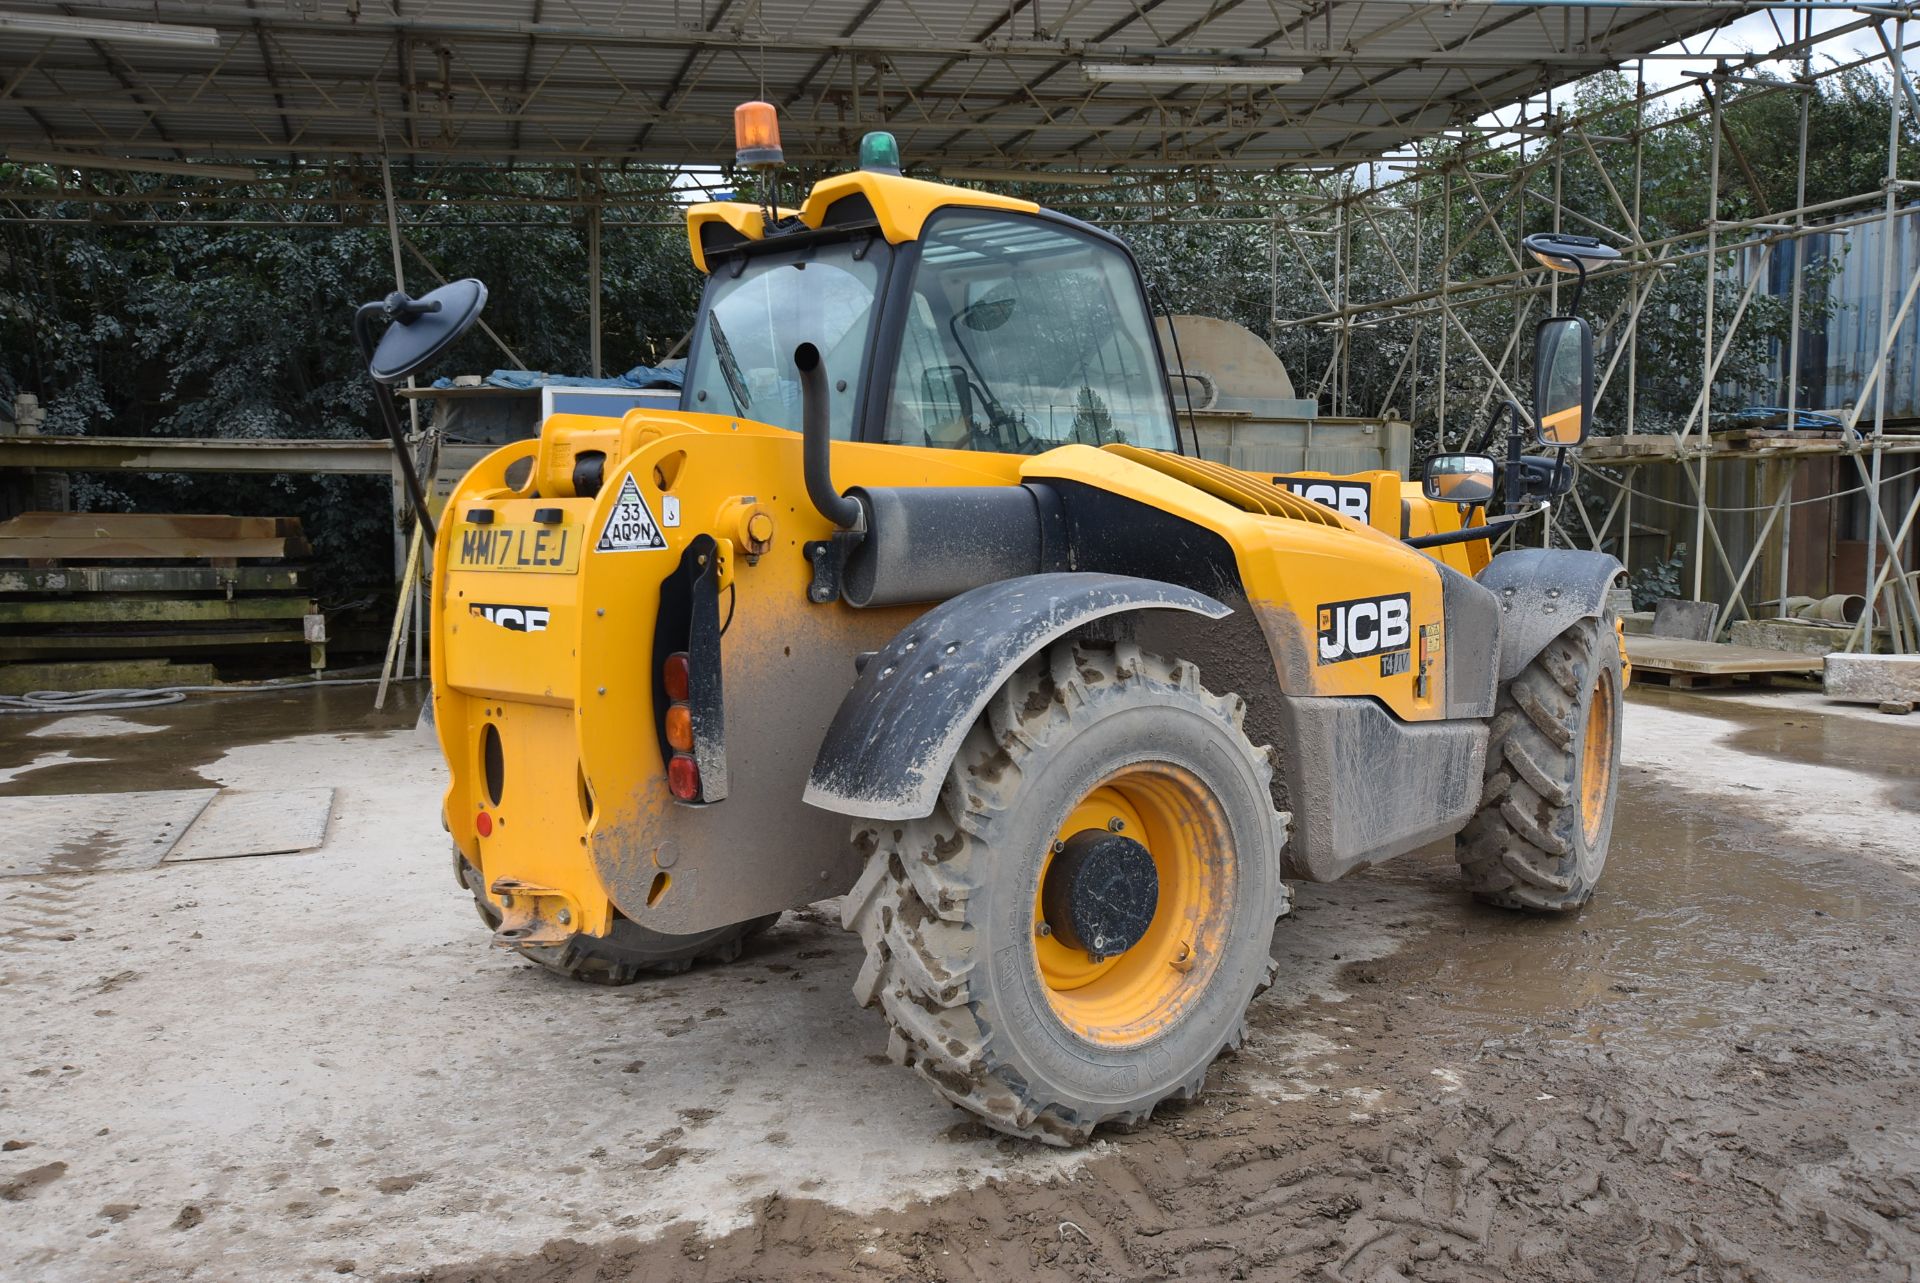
(995, 82)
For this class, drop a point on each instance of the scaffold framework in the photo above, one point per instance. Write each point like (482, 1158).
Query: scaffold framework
(1381, 248)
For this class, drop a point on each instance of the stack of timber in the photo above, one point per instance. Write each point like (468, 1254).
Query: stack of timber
(90, 600)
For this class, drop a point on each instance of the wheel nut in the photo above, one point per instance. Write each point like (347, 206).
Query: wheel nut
(565, 916)
(1116, 825)
(1043, 930)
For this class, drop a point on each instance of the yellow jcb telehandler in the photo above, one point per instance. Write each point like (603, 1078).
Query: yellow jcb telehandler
(918, 601)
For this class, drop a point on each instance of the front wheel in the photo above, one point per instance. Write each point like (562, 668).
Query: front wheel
(1540, 838)
(1077, 930)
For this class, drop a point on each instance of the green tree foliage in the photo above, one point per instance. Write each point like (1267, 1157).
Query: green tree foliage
(210, 327)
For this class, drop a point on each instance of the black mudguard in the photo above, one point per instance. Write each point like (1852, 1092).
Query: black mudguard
(888, 749)
(1543, 592)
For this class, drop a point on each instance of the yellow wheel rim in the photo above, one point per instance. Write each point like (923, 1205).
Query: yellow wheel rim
(1133, 996)
(1596, 761)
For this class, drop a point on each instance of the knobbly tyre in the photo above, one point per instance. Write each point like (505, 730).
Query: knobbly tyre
(918, 601)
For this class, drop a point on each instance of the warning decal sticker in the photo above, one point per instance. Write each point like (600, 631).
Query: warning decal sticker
(630, 526)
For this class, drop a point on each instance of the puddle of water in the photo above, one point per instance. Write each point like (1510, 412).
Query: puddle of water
(1702, 923)
(1887, 750)
(186, 736)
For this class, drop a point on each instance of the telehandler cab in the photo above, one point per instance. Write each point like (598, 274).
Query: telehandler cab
(918, 601)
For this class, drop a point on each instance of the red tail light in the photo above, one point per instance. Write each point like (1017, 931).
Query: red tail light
(683, 777)
(676, 676)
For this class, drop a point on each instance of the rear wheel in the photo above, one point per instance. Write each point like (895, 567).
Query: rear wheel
(628, 952)
(1540, 838)
(1076, 931)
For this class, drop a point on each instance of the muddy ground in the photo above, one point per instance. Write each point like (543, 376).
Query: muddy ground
(310, 1066)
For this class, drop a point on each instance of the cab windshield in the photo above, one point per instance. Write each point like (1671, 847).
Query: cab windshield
(758, 311)
(1022, 335)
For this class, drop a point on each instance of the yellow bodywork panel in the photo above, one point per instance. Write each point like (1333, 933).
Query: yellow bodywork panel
(1426, 516)
(1372, 497)
(745, 218)
(556, 662)
(900, 204)
(1341, 605)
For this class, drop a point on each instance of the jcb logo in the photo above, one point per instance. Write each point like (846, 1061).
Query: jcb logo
(1348, 498)
(1367, 626)
(519, 619)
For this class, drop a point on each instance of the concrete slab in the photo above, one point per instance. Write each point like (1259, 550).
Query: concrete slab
(1684, 620)
(1873, 679)
(1713, 659)
(94, 832)
(270, 822)
(1802, 637)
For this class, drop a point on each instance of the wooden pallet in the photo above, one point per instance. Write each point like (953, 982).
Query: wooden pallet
(107, 587)
(1688, 664)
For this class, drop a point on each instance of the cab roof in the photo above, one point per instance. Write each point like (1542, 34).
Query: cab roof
(899, 205)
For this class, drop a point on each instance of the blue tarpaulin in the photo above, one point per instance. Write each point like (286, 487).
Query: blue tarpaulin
(640, 376)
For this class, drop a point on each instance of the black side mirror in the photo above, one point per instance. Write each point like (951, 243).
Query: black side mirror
(1565, 252)
(422, 328)
(1459, 478)
(1562, 381)
(419, 332)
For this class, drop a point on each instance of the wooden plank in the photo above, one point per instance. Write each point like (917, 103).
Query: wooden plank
(139, 525)
(149, 610)
(184, 454)
(155, 549)
(54, 644)
(150, 579)
(1638, 446)
(1714, 659)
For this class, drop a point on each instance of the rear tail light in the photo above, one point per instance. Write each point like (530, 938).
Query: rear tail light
(680, 728)
(683, 777)
(678, 677)
(683, 772)
(689, 716)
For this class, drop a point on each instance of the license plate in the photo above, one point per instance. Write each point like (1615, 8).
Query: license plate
(553, 550)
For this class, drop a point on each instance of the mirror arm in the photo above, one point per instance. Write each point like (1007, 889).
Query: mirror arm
(1562, 474)
(1485, 438)
(363, 317)
(1516, 452)
(1579, 288)
(362, 333)
(416, 493)
(1465, 534)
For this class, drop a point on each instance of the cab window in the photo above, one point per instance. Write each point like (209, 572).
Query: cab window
(1022, 335)
(759, 311)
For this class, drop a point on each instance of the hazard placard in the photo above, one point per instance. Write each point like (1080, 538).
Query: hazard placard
(630, 526)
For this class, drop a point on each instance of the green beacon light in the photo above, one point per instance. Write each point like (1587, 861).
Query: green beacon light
(879, 152)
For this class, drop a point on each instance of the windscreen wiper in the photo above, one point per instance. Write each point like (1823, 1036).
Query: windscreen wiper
(729, 366)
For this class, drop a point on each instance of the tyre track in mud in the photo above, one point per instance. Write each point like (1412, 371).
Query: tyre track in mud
(1708, 1075)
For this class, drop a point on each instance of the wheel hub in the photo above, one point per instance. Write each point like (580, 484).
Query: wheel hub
(1100, 893)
